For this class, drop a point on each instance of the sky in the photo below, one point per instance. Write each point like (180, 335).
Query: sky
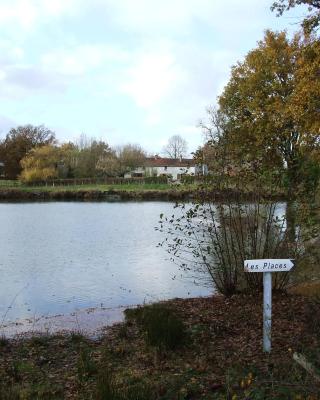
(124, 71)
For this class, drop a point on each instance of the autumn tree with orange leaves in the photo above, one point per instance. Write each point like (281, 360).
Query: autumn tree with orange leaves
(272, 104)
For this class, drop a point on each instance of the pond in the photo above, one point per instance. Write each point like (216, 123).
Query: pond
(58, 257)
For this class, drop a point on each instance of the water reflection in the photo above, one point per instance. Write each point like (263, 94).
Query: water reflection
(58, 257)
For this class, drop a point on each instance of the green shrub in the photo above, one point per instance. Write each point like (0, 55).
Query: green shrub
(163, 329)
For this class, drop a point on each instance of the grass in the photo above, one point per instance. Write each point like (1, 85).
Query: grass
(109, 389)
(220, 357)
(40, 340)
(93, 187)
(86, 367)
(9, 183)
(163, 329)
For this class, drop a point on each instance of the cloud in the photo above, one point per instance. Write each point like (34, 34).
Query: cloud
(79, 59)
(10, 53)
(56, 70)
(5, 125)
(154, 18)
(33, 78)
(152, 77)
(26, 14)
(21, 12)
(158, 63)
(19, 78)
(174, 82)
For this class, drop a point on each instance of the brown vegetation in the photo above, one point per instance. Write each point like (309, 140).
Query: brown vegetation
(221, 357)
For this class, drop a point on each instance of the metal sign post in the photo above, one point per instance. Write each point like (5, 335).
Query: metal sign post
(267, 266)
(267, 311)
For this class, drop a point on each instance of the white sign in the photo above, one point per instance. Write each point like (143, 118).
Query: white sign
(268, 265)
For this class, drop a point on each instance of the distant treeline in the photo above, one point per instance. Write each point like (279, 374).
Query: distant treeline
(32, 154)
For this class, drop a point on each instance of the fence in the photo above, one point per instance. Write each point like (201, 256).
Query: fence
(9, 183)
(101, 181)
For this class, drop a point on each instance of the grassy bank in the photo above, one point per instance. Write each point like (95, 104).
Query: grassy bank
(183, 349)
(13, 190)
(86, 187)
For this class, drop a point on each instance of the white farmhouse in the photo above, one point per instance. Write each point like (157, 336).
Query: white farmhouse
(171, 167)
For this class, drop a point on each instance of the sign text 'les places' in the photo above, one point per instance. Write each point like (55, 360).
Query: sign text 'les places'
(268, 265)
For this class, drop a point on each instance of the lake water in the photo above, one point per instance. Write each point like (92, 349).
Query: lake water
(59, 257)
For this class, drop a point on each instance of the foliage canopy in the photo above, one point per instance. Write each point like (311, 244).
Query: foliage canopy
(18, 142)
(272, 103)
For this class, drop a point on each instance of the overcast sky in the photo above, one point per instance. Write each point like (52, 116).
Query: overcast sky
(124, 71)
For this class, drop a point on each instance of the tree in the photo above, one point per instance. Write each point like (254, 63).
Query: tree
(311, 22)
(131, 156)
(18, 142)
(109, 164)
(176, 147)
(68, 160)
(272, 102)
(88, 152)
(124, 159)
(40, 164)
(216, 153)
(214, 128)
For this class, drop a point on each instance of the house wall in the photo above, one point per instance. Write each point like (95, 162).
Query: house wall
(173, 171)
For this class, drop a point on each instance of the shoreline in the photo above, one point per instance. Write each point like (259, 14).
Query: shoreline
(218, 356)
(93, 321)
(90, 322)
(7, 195)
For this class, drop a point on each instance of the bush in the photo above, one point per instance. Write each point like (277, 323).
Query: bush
(163, 329)
(214, 240)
